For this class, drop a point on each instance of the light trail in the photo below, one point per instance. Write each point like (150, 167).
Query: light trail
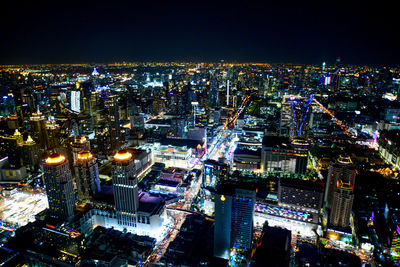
(338, 122)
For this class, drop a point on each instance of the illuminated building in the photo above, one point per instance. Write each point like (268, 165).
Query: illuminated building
(296, 116)
(53, 135)
(395, 239)
(213, 91)
(11, 167)
(76, 100)
(299, 193)
(30, 153)
(343, 197)
(177, 127)
(136, 212)
(234, 210)
(38, 128)
(80, 143)
(113, 121)
(59, 187)
(389, 143)
(242, 218)
(282, 155)
(214, 171)
(222, 226)
(247, 159)
(176, 152)
(11, 146)
(87, 175)
(341, 169)
(125, 188)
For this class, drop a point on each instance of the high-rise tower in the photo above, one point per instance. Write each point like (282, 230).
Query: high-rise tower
(38, 128)
(59, 187)
(234, 210)
(125, 188)
(80, 143)
(343, 197)
(87, 175)
(341, 170)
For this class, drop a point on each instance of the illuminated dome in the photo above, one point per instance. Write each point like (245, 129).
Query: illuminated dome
(17, 133)
(84, 155)
(123, 155)
(29, 140)
(344, 159)
(55, 159)
(80, 139)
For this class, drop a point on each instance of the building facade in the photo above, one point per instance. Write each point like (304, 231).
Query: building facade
(87, 175)
(59, 187)
(125, 188)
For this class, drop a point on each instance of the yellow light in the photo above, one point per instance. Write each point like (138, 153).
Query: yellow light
(55, 159)
(85, 154)
(123, 155)
(29, 140)
(222, 198)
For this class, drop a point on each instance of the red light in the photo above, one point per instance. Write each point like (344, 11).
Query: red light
(50, 226)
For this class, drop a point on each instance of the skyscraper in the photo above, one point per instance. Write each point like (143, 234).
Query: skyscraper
(80, 143)
(11, 145)
(87, 175)
(222, 226)
(242, 218)
(341, 170)
(113, 121)
(38, 129)
(59, 187)
(31, 153)
(234, 209)
(125, 188)
(343, 197)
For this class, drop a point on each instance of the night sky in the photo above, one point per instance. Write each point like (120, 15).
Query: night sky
(279, 31)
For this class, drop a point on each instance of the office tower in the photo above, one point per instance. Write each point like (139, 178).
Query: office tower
(125, 188)
(137, 122)
(342, 204)
(214, 172)
(87, 175)
(11, 146)
(213, 91)
(21, 108)
(38, 129)
(59, 187)
(242, 218)
(113, 121)
(80, 143)
(75, 101)
(340, 170)
(53, 135)
(30, 153)
(227, 93)
(295, 116)
(178, 127)
(234, 209)
(300, 116)
(222, 225)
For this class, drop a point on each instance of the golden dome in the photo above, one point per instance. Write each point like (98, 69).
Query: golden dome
(55, 159)
(84, 154)
(123, 155)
